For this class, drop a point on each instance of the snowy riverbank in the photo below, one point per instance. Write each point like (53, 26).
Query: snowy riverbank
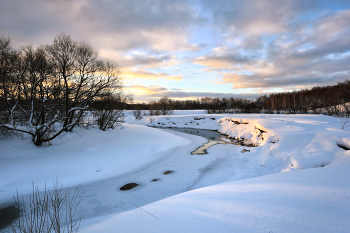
(298, 175)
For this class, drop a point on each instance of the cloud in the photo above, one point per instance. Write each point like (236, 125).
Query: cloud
(146, 93)
(150, 61)
(290, 82)
(224, 58)
(312, 54)
(327, 36)
(132, 73)
(251, 44)
(141, 90)
(142, 65)
(257, 17)
(141, 59)
(121, 25)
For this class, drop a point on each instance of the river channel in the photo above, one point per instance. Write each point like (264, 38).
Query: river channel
(170, 173)
(213, 137)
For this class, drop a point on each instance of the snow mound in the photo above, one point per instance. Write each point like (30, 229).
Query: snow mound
(249, 132)
(287, 142)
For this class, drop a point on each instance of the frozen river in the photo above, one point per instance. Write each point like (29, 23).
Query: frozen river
(175, 171)
(172, 172)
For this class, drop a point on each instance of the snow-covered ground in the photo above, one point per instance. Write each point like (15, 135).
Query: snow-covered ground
(297, 179)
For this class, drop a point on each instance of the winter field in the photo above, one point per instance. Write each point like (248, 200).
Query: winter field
(296, 178)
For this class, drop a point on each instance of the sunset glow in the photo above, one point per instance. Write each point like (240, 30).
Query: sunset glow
(192, 49)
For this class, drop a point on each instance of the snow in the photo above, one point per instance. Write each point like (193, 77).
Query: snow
(296, 179)
(80, 157)
(310, 200)
(304, 141)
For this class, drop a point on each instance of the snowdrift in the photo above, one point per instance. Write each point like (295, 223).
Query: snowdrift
(287, 142)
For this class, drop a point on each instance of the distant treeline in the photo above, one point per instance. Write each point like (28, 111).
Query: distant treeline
(332, 100)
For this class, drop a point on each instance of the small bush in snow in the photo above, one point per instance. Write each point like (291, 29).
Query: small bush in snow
(51, 211)
(137, 114)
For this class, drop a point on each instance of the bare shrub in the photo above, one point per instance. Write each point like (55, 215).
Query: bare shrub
(108, 111)
(108, 118)
(137, 113)
(51, 211)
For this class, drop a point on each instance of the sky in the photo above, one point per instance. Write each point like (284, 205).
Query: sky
(189, 49)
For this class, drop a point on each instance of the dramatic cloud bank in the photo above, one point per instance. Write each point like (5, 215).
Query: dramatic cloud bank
(198, 47)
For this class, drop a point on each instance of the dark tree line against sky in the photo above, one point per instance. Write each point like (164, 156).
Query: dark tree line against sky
(332, 100)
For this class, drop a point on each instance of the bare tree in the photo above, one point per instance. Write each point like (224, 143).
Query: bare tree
(165, 105)
(83, 76)
(53, 86)
(29, 97)
(9, 64)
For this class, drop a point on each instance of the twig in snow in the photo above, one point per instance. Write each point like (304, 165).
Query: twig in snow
(146, 211)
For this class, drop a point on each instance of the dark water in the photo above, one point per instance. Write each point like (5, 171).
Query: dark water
(208, 134)
(7, 215)
(213, 137)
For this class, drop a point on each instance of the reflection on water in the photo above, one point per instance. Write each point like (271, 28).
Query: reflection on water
(213, 137)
